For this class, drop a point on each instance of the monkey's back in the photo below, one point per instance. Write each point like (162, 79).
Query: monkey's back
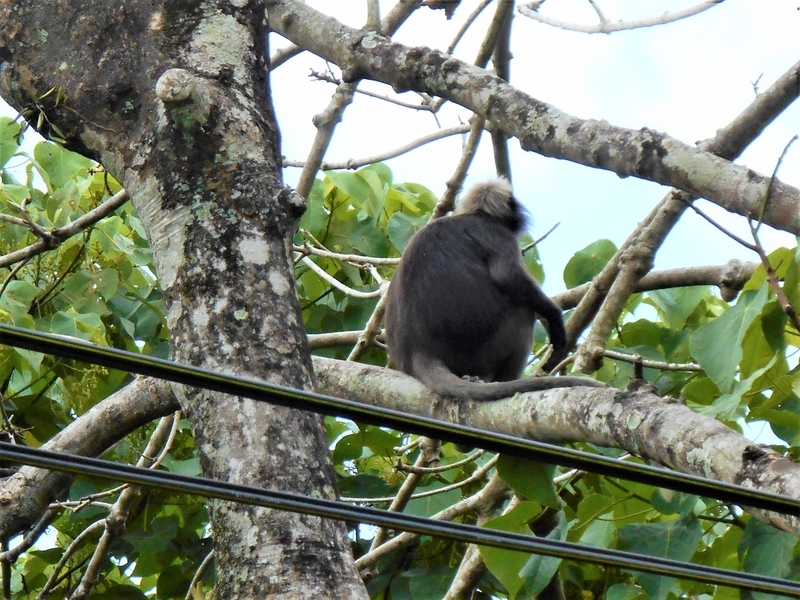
(444, 304)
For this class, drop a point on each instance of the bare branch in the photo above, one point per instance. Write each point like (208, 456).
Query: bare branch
(28, 493)
(336, 283)
(605, 26)
(430, 452)
(306, 249)
(651, 364)
(355, 163)
(456, 181)
(10, 556)
(327, 120)
(425, 105)
(470, 20)
(491, 494)
(117, 520)
(540, 127)
(616, 282)
(57, 235)
(199, 575)
(282, 55)
(654, 426)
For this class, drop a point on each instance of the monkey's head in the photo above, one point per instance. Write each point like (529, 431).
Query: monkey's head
(496, 199)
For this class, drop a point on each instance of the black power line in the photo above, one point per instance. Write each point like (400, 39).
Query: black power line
(71, 348)
(336, 509)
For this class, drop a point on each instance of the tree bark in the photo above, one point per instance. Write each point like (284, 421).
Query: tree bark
(174, 100)
(643, 423)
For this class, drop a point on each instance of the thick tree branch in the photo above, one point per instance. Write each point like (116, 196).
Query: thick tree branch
(540, 127)
(25, 496)
(643, 423)
(613, 287)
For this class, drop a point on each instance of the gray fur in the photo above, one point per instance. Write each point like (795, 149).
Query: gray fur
(461, 303)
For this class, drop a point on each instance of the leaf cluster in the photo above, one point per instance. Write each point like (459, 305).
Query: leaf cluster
(99, 286)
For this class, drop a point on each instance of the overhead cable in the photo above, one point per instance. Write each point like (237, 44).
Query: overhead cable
(72, 348)
(336, 509)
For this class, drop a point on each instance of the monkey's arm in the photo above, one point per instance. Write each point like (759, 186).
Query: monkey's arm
(508, 273)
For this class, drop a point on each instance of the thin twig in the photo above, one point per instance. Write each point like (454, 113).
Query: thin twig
(58, 235)
(607, 27)
(355, 163)
(652, 364)
(338, 284)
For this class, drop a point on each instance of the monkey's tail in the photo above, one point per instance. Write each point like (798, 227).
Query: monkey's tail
(439, 378)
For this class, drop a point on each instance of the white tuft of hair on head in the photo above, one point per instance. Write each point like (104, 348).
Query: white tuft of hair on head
(490, 196)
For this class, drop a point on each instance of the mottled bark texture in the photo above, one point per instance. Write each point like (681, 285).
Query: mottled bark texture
(641, 422)
(173, 98)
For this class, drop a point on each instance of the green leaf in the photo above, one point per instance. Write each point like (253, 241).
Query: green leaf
(368, 240)
(507, 565)
(373, 203)
(410, 198)
(19, 293)
(599, 533)
(350, 183)
(430, 505)
(531, 259)
(59, 165)
(106, 283)
(674, 539)
(349, 447)
(173, 582)
(624, 591)
(364, 486)
(766, 550)
(593, 527)
(316, 216)
(717, 346)
(429, 584)
(785, 422)
(190, 466)
(402, 228)
(677, 304)
(15, 194)
(540, 569)
(9, 139)
(757, 351)
(587, 263)
(84, 326)
(669, 502)
(723, 551)
(383, 173)
(726, 407)
(118, 592)
(532, 480)
(781, 260)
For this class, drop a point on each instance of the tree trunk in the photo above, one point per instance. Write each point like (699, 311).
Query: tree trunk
(173, 99)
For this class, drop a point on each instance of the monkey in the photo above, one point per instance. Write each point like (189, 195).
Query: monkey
(461, 305)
